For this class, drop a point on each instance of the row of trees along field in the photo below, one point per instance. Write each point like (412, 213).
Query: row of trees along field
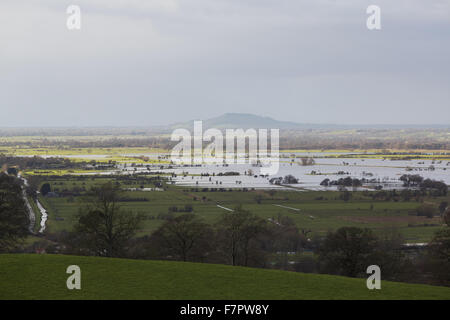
(14, 217)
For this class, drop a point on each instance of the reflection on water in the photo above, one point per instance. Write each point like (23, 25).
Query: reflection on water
(384, 172)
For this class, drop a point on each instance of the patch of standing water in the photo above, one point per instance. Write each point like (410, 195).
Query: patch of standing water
(44, 216)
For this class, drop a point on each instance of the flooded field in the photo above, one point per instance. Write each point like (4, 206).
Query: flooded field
(377, 171)
(380, 172)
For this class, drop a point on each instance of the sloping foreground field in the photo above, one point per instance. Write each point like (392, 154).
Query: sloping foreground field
(44, 277)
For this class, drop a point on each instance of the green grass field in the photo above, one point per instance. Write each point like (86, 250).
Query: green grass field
(320, 216)
(44, 277)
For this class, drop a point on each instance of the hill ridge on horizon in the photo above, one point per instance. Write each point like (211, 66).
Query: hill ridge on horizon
(233, 120)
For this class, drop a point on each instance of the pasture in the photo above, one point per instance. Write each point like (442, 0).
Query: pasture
(318, 211)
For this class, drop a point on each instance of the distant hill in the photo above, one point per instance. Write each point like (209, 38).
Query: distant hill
(245, 121)
(32, 276)
(225, 121)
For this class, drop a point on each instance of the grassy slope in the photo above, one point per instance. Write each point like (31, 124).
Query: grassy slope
(44, 277)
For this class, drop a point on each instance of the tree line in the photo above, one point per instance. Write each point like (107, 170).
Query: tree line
(14, 217)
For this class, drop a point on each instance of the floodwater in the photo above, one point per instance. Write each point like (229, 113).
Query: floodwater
(385, 172)
(44, 216)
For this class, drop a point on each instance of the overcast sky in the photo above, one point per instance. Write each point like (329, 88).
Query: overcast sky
(146, 62)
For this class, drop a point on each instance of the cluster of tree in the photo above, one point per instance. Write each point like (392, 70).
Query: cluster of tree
(345, 195)
(132, 199)
(14, 217)
(186, 208)
(345, 182)
(221, 189)
(399, 195)
(238, 238)
(307, 161)
(438, 255)
(228, 173)
(140, 180)
(394, 195)
(288, 179)
(437, 188)
(350, 250)
(59, 184)
(45, 188)
(426, 210)
(40, 163)
(103, 227)
(12, 171)
(411, 180)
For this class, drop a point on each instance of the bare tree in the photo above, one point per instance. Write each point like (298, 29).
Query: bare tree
(237, 229)
(186, 237)
(104, 227)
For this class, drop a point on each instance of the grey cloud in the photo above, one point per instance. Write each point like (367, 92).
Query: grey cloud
(153, 62)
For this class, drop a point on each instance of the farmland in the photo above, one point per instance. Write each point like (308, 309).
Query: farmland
(320, 211)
